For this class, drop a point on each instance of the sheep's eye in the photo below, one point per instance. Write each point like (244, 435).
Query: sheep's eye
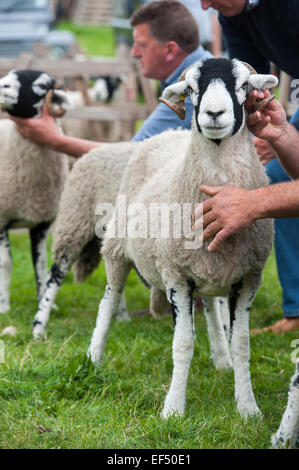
(189, 88)
(43, 87)
(244, 86)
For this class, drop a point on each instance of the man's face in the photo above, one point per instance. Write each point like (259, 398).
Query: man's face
(226, 7)
(151, 53)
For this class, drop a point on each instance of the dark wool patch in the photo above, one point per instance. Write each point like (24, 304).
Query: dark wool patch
(234, 296)
(222, 69)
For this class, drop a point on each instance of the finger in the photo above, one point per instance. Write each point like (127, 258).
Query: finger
(210, 190)
(218, 240)
(206, 221)
(211, 230)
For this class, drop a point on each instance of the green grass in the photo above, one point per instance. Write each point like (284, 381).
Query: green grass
(95, 40)
(50, 385)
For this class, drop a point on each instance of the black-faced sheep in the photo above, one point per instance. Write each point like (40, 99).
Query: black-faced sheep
(170, 168)
(31, 176)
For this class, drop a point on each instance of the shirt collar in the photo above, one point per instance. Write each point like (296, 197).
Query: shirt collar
(251, 4)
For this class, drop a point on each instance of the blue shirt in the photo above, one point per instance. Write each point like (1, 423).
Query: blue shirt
(162, 118)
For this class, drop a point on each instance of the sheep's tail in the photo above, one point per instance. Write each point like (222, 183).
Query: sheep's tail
(88, 260)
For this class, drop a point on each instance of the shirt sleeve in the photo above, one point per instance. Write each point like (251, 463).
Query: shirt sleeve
(162, 119)
(240, 44)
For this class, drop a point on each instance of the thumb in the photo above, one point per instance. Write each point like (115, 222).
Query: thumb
(210, 190)
(45, 114)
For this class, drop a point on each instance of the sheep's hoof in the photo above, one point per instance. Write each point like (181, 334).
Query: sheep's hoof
(4, 307)
(222, 362)
(172, 410)
(38, 331)
(94, 355)
(122, 316)
(248, 409)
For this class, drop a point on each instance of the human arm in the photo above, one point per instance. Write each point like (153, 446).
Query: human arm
(45, 131)
(233, 209)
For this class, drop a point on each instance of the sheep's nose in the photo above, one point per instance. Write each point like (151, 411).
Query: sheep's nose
(214, 115)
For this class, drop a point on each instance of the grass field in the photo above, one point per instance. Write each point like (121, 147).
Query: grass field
(51, 396)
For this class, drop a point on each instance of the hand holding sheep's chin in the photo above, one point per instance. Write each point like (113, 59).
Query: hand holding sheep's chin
(230, 210)
(268, 124)
(43, 130)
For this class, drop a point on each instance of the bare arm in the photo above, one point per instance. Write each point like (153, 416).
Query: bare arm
(232, 209)
(45, 131)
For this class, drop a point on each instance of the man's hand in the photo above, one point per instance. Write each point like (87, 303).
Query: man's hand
(268, 124)
(231, 210)
(264, 150)
(43, 131)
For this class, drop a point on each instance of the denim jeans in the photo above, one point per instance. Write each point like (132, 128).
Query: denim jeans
(286, 246)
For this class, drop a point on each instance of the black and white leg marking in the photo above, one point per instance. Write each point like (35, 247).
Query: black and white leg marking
(5, 270)
(218, 343)
(117, 273)
(288, 431)
(38, 237)
(181, 302)
(55, 278)
(241, 297)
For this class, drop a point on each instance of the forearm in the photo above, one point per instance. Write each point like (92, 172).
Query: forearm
(73, 146)
(287, 149)
(275, 201)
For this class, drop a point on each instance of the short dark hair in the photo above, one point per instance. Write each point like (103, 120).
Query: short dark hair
(169, 20)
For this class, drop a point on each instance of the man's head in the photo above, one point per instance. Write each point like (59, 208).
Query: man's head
(226, 7)
(165, 32)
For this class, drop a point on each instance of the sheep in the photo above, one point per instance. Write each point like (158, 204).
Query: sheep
(31, 176)
(94, 179)
(169, 168)
(288, 431)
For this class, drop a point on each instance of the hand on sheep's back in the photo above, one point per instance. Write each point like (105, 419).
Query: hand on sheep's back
(268, 124)
(229, 210)
(43, 130)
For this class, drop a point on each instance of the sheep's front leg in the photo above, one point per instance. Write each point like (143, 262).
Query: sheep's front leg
(288, 431)
(240, 300)
(218, 343)
(5, 270)
(38, 237)
(54, 280)
(117, 273)
(182, 349)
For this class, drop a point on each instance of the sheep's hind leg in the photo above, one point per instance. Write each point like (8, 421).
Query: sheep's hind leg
(240, 300)
(220, 353)
(117, 273)
(181, 302)
(55, 278)
(5, 270)
(38, 237)
(288, 431)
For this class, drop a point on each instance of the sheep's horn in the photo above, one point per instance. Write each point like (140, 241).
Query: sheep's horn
(260, 104)
(178, 108)
(56, 113)
(250, 68)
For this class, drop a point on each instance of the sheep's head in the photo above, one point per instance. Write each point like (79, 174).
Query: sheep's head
(218, 89)
(23, 93)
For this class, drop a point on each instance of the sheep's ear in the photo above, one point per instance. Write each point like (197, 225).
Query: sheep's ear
(174, 96)
(260, 82)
